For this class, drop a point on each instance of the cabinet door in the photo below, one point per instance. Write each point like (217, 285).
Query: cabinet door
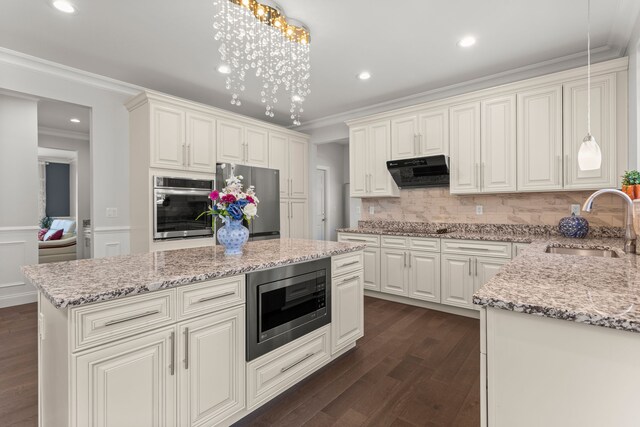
(380, 181)
(457, 280)
(404, 137)
(464, 132)
(358, 161)
(201, 142)
(285, 213)
(498, 145)
(347, 310)
(230, 142)
(433, 128)
(211, 367)
(299, 168)
(393, 271)
(167, 137)
(484, 270)
(257, 147)
(603, 128)
(372, 269)
(279, 159)
(540, 139)
(128, 383)
(424, 276)
(298, 219)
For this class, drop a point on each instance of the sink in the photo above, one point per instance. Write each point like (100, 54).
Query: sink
(603, 253)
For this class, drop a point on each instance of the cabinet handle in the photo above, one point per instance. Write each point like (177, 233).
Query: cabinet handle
(559, 161)
(469, 266)
(226, 294)
(307, 356)
(246, 152)
(184, 154)
(405, 258)
(415, 143)
(476, 267)
(348, 279)
(135, 316)
(349, 263)
(172, 366)
(355, 239)
(477, 171)
(188, 155)
(291, 209)
(409, 256)
(483, 170)
(291, 186)
(566, 169)
(469, 248)
(420, 143)
(186, 348)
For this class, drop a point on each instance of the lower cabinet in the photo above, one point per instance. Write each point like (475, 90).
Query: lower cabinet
(347, 310)
(415, 274)
(372, 269)
(393, 271)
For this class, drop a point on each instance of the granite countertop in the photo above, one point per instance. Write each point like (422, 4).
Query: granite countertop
(596, 291)
(73, 283)
(461, 235)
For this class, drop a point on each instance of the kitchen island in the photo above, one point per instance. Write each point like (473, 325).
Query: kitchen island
(160, 338)
(559, 337)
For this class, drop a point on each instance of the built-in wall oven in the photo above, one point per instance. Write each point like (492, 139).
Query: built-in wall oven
(286, 303)
(177, 204)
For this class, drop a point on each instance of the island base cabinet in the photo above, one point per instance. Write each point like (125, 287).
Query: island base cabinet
(347, 310)
(211, 368)
(131, 383)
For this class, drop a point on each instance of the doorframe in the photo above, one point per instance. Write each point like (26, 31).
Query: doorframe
(327, 173)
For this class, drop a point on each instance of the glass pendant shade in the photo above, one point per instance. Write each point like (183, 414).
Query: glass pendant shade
(589, 156)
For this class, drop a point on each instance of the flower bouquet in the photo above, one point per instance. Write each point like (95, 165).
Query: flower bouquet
(233, 205)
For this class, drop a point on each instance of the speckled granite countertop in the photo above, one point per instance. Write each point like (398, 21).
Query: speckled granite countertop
(74, 283)
(597, 291)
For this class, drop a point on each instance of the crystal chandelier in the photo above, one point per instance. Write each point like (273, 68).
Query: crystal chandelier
(258, 38)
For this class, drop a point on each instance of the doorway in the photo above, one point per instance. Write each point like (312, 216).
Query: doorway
(320, 203)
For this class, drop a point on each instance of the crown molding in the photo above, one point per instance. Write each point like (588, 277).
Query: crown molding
(61, 133)
(623, 25)
(13, 57)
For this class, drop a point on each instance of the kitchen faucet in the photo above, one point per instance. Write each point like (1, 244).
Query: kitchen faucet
(629, 233)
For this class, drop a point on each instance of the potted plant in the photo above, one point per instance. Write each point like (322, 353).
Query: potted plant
(631, 184)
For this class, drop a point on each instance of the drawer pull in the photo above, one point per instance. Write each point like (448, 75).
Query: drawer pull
(226, 294)
(285, 369)
(348, 279)
(349, 263)
(356, 239)
(135, 316)
(468, 248)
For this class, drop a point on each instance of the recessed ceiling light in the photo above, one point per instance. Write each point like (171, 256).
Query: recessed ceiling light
(365, 75)
(467, 41)
(64, 6)
(224, 69)
(296, 98)
(74, 120)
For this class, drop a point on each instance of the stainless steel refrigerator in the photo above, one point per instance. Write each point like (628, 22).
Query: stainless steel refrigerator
(266, 225)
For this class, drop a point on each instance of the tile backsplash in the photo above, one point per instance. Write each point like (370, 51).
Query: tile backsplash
(437, 205)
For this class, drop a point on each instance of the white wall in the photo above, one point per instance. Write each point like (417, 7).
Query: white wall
(329, 156)
(19, 187)
(633, 51)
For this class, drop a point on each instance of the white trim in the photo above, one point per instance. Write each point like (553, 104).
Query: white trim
(18, 299)
(327, 173)
(114, 229)
(18, 95)
(19, 228)
(69, 134)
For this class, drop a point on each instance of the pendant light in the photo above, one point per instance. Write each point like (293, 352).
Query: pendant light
(589, 155)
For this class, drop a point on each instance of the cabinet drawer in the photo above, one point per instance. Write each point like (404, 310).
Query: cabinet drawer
(424, 244)
(346, 263)
(280, 369)
(398, 242)
(210, 296)
(477, 247)
(368, 239)
(111, 320)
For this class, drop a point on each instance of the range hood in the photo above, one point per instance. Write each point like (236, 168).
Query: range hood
(432, 171)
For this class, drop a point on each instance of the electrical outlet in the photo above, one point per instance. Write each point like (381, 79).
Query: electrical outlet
(479, 210)
(372, 210)
(575, 209)
(112, 212)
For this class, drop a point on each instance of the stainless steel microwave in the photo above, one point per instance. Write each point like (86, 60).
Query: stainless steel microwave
(177, 204)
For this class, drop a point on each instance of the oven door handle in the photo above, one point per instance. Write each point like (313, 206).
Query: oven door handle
(183, 192)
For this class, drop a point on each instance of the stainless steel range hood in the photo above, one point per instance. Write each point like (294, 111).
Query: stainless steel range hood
(432, 171)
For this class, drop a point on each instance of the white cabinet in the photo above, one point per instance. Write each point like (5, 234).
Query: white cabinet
(369, 151)
(279, 159)
(464, 132)
(603, 128)
(539, 139)
(498, 145)
(424, 276)
(128, 383)
(347, 310)
(457, 280)
(285, 212)
(518, 248)
(211, 367)
(293, 218)
(291, 157)
(422, 134)
(393, 271)
(371, 276)
(242, 144)
(182, 139)
(485, 269)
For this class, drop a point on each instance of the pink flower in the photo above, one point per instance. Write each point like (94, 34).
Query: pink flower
(228, 198)
(250, 200)
(214, 195)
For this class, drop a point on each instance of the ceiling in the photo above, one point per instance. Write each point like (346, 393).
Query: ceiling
(409, 47)
(57, 115)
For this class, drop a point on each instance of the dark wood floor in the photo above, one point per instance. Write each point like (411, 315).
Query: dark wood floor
(413, 367)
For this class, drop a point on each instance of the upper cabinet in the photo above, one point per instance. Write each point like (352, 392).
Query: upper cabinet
(242, 144)
(290, 155)
(603, 128)
(422, 134)
(540, 139)
(498, 144)
(181, 139)
(369, 150)
(465, 148)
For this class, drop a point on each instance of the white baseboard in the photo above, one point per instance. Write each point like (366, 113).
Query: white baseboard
(18, 299)
(424, 304)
